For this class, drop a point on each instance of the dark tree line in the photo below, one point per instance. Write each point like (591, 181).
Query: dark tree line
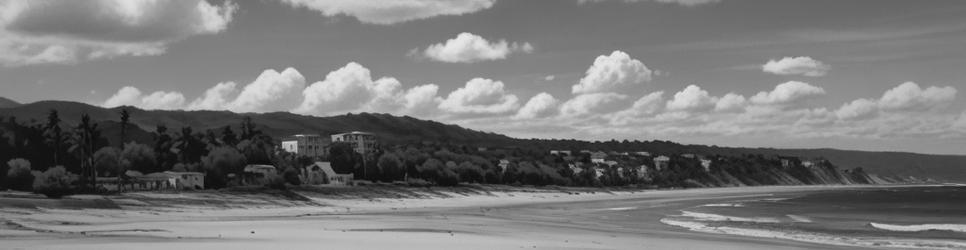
(53, 157)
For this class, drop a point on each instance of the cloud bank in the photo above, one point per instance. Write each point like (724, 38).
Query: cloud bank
(63, 32)
(387, 12)
(689, 3)
(611, 100)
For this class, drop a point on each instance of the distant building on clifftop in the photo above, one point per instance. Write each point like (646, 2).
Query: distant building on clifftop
(361, 142)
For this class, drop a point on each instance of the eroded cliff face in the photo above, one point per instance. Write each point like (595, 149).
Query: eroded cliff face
(820, 174)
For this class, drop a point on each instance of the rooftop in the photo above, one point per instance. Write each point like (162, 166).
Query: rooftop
(355, 133)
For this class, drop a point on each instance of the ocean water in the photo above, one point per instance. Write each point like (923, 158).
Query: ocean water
(900, 217)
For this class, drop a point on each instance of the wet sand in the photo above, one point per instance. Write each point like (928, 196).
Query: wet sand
(502, 220)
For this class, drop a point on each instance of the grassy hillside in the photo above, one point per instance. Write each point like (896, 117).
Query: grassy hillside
(396, 129)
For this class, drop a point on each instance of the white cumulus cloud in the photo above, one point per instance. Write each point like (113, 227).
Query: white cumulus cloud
(52, 31)
(468, 48)
(692, 98)
(539, 106)
(480, 96)
(126, 96)
(909, 96)
(648, 105)
(159, 100)
(163, 100)
(857, 109)
(421, 100)
(215, 98)
(350, 88)
(592, 104)
(386, 12)
(787, 93)
(802, 65)
(611, 72)
(730, 102)
(271, 91)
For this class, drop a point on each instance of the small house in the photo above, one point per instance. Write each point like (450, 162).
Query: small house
(575, 169)
(598, 157)
(706, 164)
(642, 171)
(661, 163)
(504, 163)
(258, 174)
(560, 152)
(322, 173)
(187, 180)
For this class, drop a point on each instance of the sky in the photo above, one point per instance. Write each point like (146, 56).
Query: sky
(876, 75)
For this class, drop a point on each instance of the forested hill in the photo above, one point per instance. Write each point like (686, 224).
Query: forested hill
(396, 129)
(388, 127)
(7, 103)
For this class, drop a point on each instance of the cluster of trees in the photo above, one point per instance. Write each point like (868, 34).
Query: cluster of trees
(444, 164)
(55, 158)
(51, 155)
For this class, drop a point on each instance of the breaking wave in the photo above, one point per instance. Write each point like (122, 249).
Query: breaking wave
(724, 205)
(921, 227)
(818, 238)
(717, 217)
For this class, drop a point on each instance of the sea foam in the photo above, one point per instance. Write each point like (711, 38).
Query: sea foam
(960, 228)
(817, 238)
(724, 205)
(717, 217)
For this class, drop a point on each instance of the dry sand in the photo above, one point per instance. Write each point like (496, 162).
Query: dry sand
(513, 219)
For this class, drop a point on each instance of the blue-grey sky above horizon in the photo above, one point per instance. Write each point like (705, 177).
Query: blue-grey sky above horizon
(865, 74)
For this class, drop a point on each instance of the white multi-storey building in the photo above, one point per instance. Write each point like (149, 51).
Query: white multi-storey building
(362, 142)
(305, 145)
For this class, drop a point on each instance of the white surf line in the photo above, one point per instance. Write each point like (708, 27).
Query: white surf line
(723, 205)
(717, 217)
(960, 228)
(619, 208)
(799, 218)
(818, 238)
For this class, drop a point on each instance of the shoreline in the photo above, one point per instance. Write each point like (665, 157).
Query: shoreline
(494, 219)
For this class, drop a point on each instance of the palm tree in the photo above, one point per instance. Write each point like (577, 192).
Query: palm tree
(125, 117)
(85, 136)
(53, 135)
(182, 144)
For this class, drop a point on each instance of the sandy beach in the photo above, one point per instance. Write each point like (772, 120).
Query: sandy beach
(488, 219)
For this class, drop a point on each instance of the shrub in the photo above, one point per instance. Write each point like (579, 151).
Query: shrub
(470, 172)
(391, 166)
(435, 171)
(54, 183)
(448, 178)
(291, 176)
(221, 162)
(139, 157)
(19, 176)
(416, 182)
(275, 182)
(107, 161)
